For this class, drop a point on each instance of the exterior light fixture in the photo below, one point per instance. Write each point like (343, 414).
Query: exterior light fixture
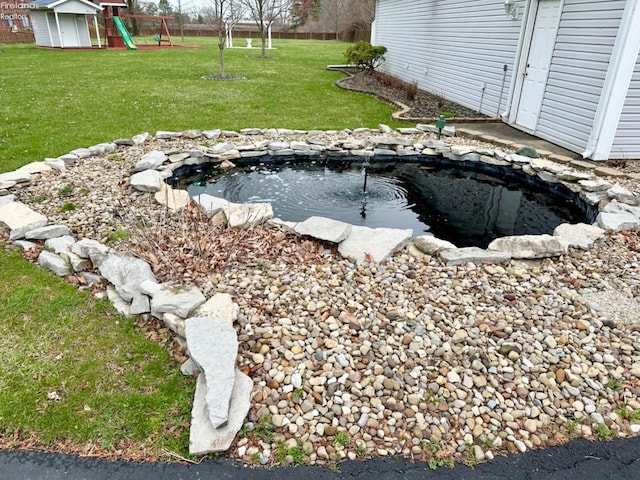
(511, 9)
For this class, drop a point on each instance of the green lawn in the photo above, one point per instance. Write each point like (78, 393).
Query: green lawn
(73, 373)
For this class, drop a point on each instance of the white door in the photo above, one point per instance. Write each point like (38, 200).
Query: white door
(68, 30)
(538, 62)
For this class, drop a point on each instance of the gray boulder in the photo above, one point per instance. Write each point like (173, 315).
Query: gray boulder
(47, 232)
(54, 263)
(126, 273)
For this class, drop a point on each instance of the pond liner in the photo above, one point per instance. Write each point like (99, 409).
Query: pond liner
(382, 163)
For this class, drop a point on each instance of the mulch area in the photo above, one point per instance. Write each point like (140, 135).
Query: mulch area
(422, 104)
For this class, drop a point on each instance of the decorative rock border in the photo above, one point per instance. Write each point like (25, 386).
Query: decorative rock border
(134, 290)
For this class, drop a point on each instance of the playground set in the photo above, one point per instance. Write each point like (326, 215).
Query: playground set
(117, 34)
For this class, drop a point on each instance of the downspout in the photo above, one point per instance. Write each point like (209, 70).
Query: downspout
(512, 86)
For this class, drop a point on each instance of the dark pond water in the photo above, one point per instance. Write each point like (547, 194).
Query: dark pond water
(469, 207)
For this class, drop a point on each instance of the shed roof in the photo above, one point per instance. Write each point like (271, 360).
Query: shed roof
(50, 4)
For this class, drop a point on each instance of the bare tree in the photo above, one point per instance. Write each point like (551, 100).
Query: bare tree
(221, 13)
(333, 13)
(265, 13)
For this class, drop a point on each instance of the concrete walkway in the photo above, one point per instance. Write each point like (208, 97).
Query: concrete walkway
(577, 460)
(502, 131)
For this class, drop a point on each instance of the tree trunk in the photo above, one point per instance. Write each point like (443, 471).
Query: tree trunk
(263, 39)
(221, 44)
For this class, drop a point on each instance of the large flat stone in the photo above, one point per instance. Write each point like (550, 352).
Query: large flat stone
(147, 181)
(579, 235)
(323, 229)
(180, 300)
(617, 221)
(210, 205)
(35, 167)
(366, 244)
(623, 195)
(126, 273)
(203, 438)
(150, 160)
(47, 232)
(213, 345)
(243, 215)
(219, 306)
(472, 255)
(430, 245)
(6, 199)
(16, 176)
(19, 218)
(529, 246)
(173, 199)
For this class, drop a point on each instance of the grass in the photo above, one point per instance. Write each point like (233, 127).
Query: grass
(75, 373)
(117, 390)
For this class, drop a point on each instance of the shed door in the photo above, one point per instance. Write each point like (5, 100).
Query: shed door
(68, 30)
(538, 62)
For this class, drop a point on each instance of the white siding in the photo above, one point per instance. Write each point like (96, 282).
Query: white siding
(450, 47)
(53, 28)
(586, 35)
(83, 31)
(40, 28)
(626, 143)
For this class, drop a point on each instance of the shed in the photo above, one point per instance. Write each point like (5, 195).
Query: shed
(566, 71)
(64, 23)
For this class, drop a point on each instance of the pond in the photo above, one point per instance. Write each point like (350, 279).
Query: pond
(468, 204)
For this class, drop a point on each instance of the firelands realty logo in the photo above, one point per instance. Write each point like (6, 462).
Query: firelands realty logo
(12, 11)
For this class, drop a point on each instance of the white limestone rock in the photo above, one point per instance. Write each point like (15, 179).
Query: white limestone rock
(150, 161)
(373, 244)
(147, 181)
(431, 245)
(35, 167)
(91, 249)
(472, 255)
(126, 273)
(529, 246)
(323, 229)
(54, 263)
(179, 300)
(213, 345)
(623, 195)
(119, 303)
(203, 438)
(210, 205)
(173, 199)
(243, 215)
(47, 232)
(77, 263)
(20, 219)
(5, 199)
(60, 244)
(580, 235)
(219, 306)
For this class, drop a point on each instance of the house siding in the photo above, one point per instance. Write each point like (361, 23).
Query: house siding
(54, 29)
(41, 28)
(586, 35)
(451, 48)
(626, 143)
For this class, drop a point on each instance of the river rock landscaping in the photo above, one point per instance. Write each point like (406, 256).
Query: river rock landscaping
(415, 348)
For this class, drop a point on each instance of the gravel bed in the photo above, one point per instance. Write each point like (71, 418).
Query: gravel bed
(409, 357)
